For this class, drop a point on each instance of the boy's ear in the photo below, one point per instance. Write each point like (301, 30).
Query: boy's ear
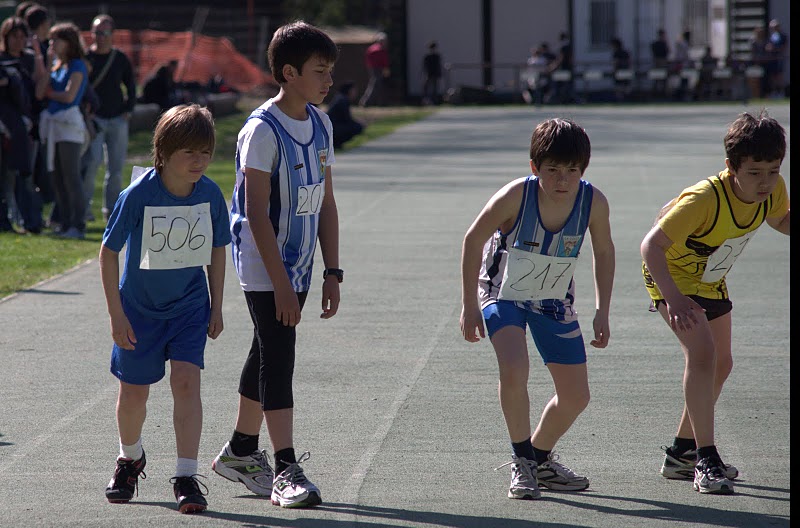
(289, 72)
(533, 169)
(728, 164)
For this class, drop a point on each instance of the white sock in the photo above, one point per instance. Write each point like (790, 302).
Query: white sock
(134, 452)
(186, 467)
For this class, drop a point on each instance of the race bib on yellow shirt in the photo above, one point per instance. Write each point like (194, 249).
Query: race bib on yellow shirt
(533, 277)
(176, 237)
(721, 260)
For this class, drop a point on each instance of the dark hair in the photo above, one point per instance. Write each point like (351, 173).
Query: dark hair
(761, 138)
(68, 32)
(294, 44)
(560, 141)
(180, 127)
(23, 8)
(432, 44)
(36, 16)
(9, 25)
(99, 19)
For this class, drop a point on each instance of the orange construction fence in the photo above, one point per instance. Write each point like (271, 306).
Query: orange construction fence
(199, 57)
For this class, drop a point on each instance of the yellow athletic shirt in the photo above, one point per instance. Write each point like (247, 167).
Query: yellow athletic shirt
(702, 219)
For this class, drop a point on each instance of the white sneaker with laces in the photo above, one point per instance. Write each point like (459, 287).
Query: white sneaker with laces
(709, 477)
(556, 476)
(253, 471)
(291, 488)
(682, 467)
(523, 479)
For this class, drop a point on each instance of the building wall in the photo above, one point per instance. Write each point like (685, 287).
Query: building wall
(457, 26)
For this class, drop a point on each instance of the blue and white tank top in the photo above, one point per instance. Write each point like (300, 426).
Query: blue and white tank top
(297, 188)
(538, 256)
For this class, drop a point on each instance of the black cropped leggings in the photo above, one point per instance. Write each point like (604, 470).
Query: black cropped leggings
(269, 367)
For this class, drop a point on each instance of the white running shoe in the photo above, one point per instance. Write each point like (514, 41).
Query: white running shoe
(556, 476)
(523, 479)
(682, 467)
(291, 488)
(709, 477)
(253, 471)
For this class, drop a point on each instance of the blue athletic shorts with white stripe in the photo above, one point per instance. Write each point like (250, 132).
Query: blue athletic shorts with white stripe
(557, 341)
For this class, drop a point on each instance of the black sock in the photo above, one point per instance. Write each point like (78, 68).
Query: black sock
(682, 445)
(243, 444)
(283, 458)
(540, 455)
(523, 449)
(707, 452)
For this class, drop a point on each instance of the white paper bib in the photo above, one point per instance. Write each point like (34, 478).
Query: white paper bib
(176, 237)
(309, 199)
(721, 260)
(533, 276)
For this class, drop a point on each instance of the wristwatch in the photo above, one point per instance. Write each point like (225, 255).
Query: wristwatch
(339, 274)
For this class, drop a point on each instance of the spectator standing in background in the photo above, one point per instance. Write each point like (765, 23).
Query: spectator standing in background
(432, 71)
(112, 78)
(377, 62)
(621, 60)
(563, 62)
(659, 49)
(776, 53)
(680, 61)
(759, 57)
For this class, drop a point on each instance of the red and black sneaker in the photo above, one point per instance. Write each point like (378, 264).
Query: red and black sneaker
(188, 495)
(126, 479)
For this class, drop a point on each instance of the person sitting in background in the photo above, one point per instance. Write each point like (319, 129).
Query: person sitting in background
(344, 126)
(159, 87)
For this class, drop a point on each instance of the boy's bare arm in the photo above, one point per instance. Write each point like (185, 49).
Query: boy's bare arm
(781, 225)
(603, 265)
(329, 247)
(256, 206)
(216, 285)
(121, 330)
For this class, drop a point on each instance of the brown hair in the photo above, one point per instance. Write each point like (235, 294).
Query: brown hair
(9, 25)
(68, 32)
(560, 141)
(294, 44)
(183, 126)
(760, 137)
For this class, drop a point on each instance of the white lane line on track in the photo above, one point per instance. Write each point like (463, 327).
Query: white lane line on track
(352, 489)
(28, 449)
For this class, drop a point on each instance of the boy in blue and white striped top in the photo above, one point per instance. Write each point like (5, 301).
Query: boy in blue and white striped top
(282, 203)
(517, 269)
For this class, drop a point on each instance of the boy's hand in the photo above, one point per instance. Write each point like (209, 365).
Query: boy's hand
(601, 330)
(684, 313)
(215, 325)
(471, 320)
(287, 306)
(122, 332)
(330, 297)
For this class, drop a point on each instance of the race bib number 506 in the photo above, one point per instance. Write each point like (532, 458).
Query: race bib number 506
(176, 237)
(533, 277)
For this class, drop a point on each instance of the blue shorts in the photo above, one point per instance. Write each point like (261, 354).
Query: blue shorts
(557, 341)
(182, 338)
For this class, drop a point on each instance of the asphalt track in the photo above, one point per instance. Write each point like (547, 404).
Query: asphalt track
(400, 414)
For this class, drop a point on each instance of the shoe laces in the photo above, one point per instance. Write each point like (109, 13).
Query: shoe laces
(559, 468)
(713, 468)
(294, 473)
(522, 469)
(190, 482)
(262, 459)
(126, 469)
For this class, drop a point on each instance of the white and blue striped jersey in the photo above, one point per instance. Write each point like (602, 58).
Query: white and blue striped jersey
(528, 234)
(297, 188)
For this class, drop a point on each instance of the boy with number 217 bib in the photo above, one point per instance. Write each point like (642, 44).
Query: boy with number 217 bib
(517, 264)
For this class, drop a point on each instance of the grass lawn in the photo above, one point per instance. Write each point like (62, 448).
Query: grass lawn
(28, 259)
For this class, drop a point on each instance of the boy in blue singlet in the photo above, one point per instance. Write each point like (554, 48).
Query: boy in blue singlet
(687, 254)
(174, 221)
(282, 203)
(517, 264)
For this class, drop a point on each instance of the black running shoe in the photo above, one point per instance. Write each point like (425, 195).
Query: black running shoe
(126, 479)
(188, 494)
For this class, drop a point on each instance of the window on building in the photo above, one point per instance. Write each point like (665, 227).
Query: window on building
(603, 23)
(695, 19)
